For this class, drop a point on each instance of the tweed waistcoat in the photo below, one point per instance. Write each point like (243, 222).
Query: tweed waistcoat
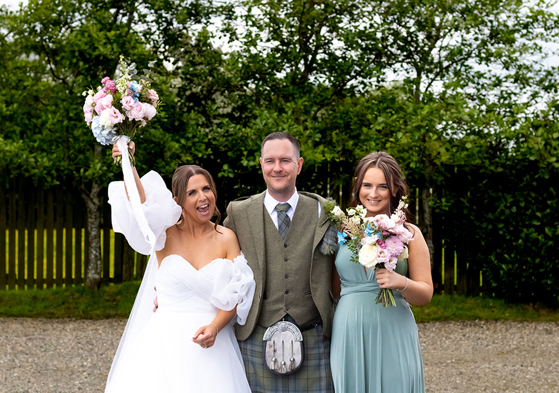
(288, 289)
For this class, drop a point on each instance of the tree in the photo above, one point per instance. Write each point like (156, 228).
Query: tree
(57, 49)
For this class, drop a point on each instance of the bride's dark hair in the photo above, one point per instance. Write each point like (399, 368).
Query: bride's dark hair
(179, 186)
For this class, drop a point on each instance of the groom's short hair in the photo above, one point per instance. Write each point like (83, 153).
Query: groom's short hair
(282, 135)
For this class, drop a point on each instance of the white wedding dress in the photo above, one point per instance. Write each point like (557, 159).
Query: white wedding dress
(156, 353)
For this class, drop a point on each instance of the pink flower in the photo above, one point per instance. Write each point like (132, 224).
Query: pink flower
(136, 112)
(104, 103)
(127, 103)
(153, 97)
(105, 80)
(404, 235)
(149, 111)
(115, 116)
(383, 255)
(394, 246)
(88, 117)
(391, 264)
(100, 94)
(110, 87)
(385, 222)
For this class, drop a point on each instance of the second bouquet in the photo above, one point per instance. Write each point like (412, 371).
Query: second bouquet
(375, 242)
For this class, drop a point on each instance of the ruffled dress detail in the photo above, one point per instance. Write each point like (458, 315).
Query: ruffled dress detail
(157, 353)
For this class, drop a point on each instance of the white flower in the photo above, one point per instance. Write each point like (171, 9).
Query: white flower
(368, 255)
(369, 240)
(361, 211)
(105, 119)
(149, 111)
(356, 220)
(350, 212)
(404, 254)
(338, 212)
(395, 218)
(88, 106)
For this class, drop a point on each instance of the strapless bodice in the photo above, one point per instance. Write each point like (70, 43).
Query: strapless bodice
(176, 284)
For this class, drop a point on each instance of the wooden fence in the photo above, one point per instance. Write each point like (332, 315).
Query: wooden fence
(46, 244)
(46, 240)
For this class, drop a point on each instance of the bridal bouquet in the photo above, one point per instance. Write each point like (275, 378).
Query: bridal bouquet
(375, 242)
(121, 106)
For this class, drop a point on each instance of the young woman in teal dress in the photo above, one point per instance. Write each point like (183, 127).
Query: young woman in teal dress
(376, 349)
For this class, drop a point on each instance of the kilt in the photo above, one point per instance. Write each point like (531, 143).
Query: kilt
(313, 377)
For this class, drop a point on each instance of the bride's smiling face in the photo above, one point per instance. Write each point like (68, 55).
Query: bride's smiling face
(199, 203)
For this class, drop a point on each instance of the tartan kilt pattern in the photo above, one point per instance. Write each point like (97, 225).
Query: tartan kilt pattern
(314, 376)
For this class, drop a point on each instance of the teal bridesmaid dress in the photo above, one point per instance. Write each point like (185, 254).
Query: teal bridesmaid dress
(374, 349)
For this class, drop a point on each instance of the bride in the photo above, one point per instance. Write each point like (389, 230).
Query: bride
(203, 284)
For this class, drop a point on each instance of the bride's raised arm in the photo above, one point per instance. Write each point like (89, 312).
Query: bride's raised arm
(157, 204)
(132, 148)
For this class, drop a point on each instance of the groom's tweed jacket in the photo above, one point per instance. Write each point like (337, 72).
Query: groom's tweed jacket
(247, 218)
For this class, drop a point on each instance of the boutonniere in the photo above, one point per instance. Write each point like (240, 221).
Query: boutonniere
(329, 243)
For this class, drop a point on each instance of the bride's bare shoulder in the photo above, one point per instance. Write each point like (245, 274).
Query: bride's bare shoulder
(229, 241)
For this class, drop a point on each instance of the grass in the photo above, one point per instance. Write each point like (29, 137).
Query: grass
(111, 301)
(462, 308)
(115, 301)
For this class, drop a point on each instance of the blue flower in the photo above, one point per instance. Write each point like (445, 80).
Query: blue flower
(342, 237)
(369, 230)
(105, 136)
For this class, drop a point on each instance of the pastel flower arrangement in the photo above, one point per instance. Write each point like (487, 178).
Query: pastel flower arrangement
(118, 108)
(375, 242)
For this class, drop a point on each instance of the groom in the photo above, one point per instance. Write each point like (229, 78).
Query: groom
(281, 232)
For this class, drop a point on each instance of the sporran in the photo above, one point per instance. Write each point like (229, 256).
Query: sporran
(283, 348)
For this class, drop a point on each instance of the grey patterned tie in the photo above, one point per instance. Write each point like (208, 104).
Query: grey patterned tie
(283, 218)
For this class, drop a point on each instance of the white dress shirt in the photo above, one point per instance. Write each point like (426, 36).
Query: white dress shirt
(270, 203)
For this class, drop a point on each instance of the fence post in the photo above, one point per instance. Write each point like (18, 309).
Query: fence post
(141, 262)
(461, 271)
(86, 249)
(127, 261)
(59, 224)
(106, 243)
(119, 240)
(69, 260)
(449, 269)
(20, 236)
(50, 239)
(31, 205)
(436, 271)
(12, 238)
(78, 260)
(3, 231)
(473, 277)
(40, 237)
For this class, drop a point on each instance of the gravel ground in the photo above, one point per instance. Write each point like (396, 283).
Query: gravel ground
(47, 356)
